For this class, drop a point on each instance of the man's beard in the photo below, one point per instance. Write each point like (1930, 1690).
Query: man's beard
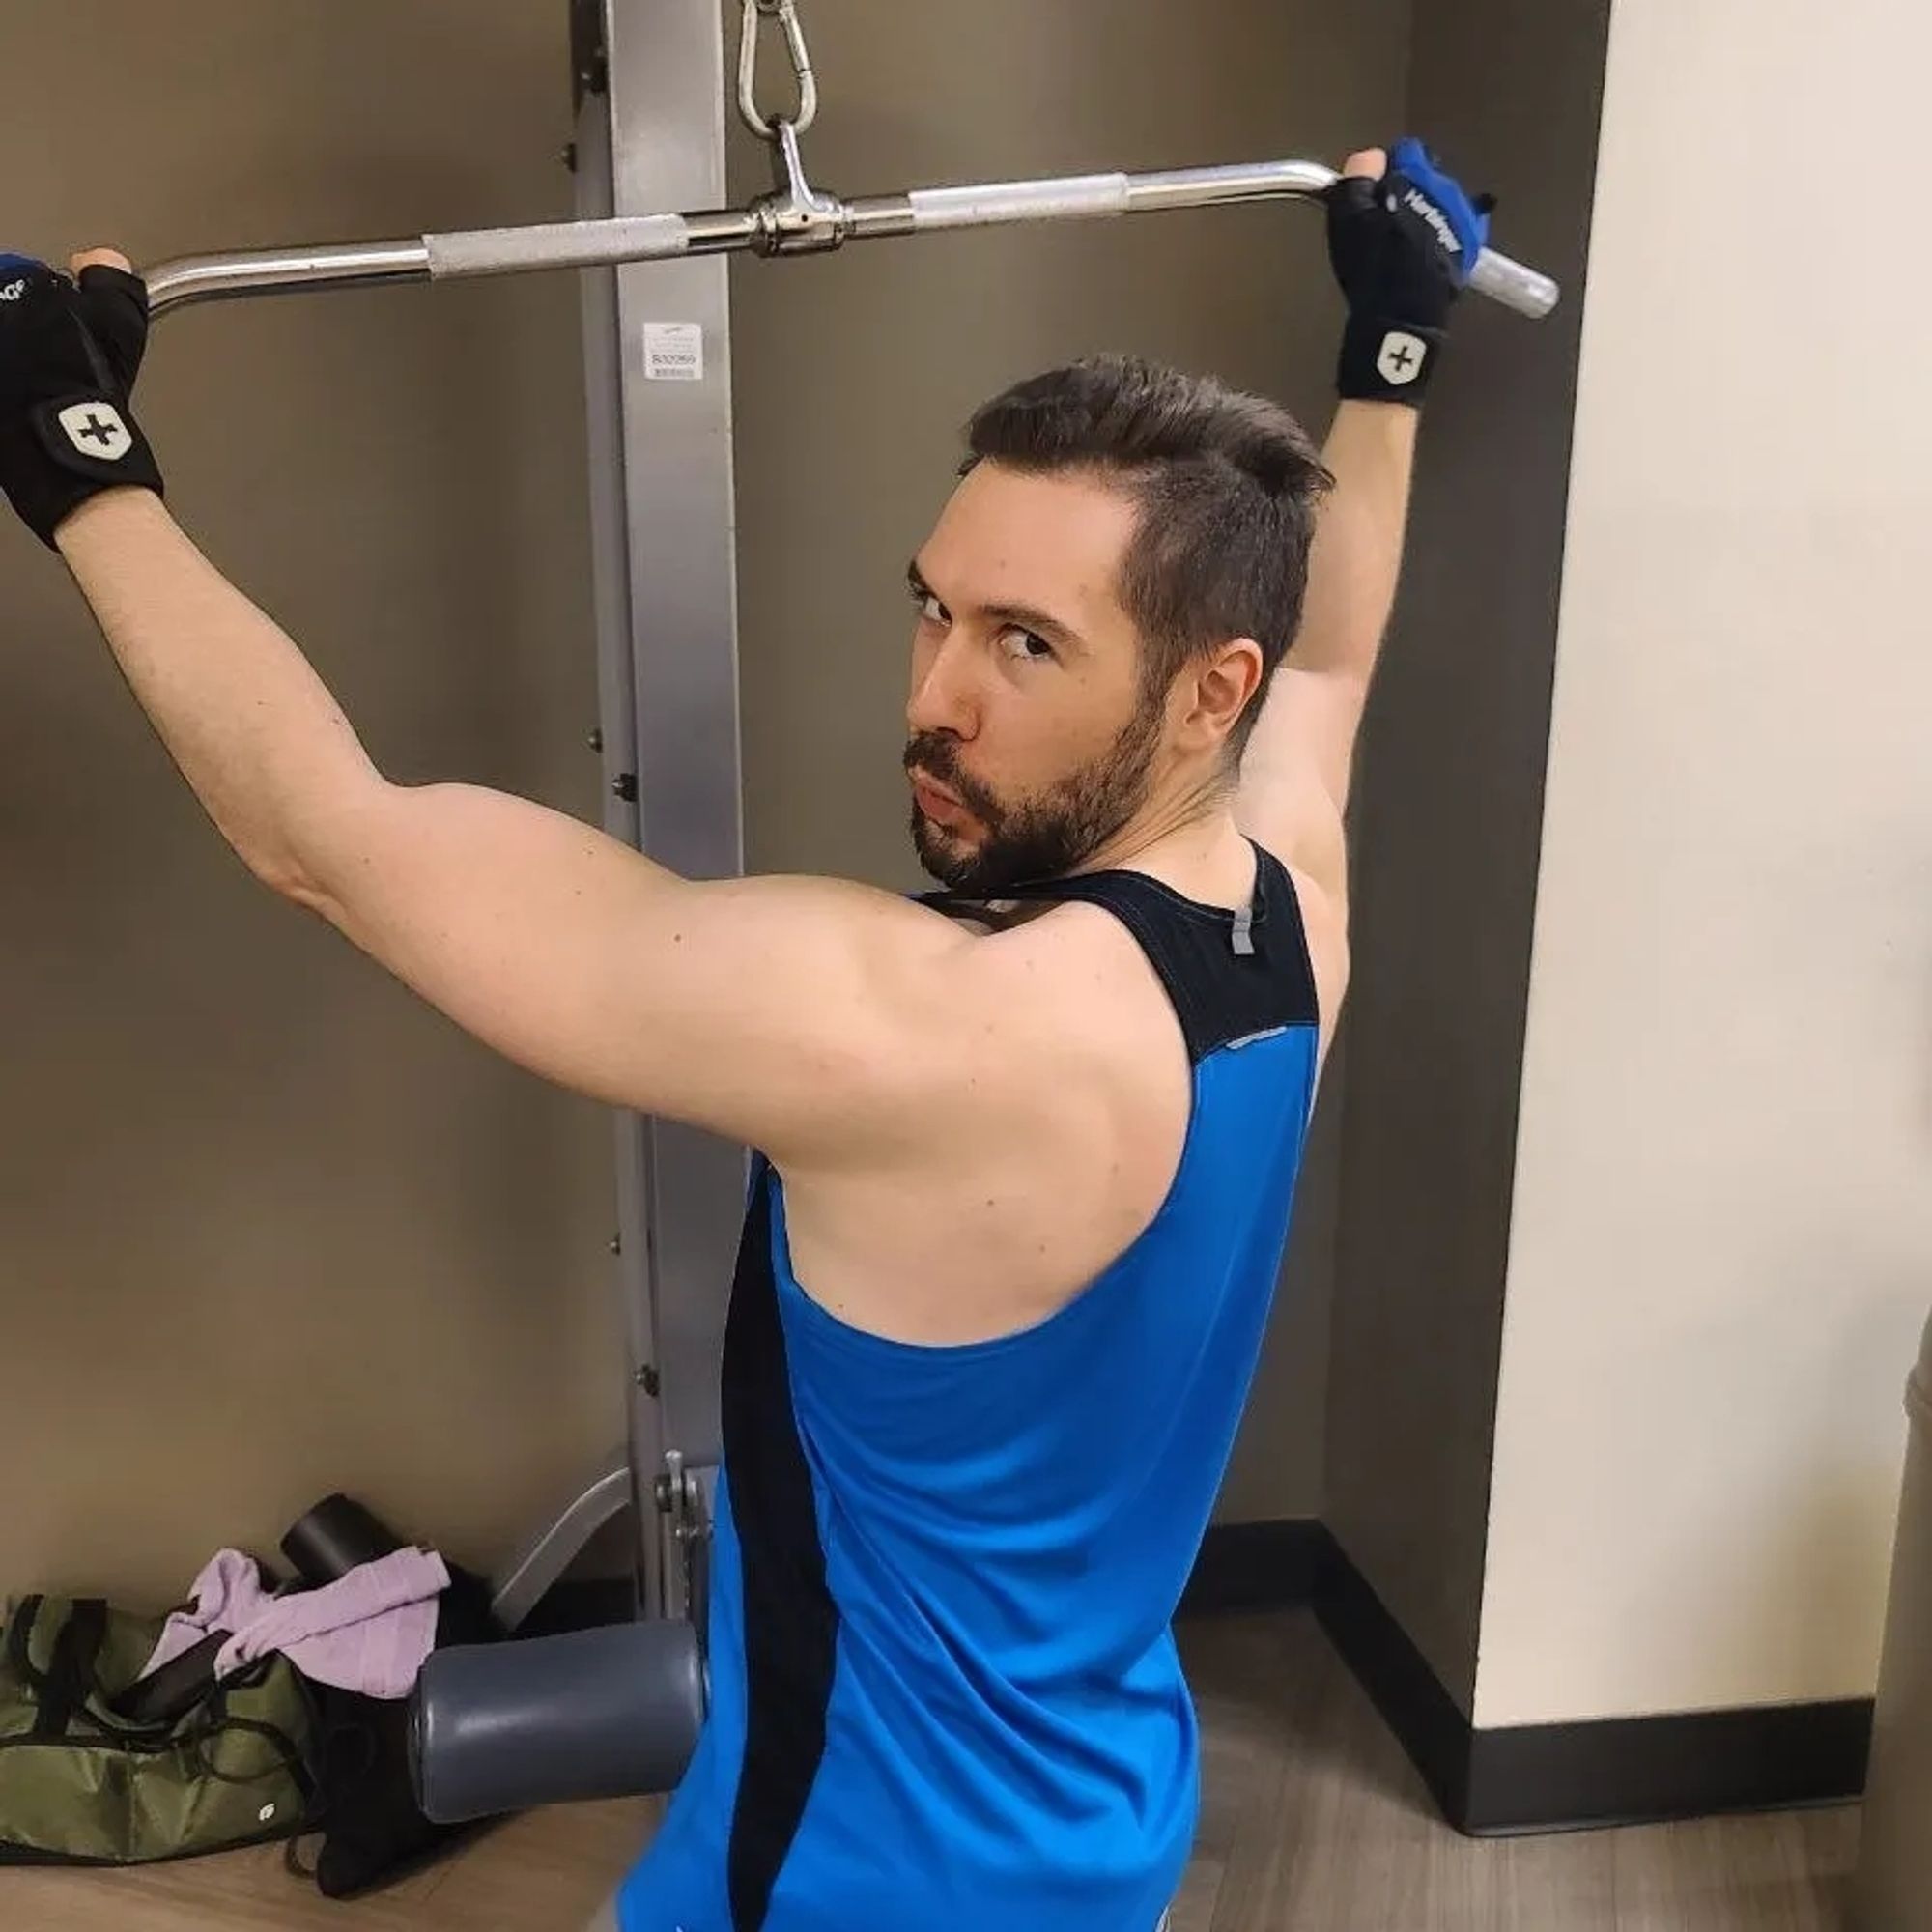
(1042, 838)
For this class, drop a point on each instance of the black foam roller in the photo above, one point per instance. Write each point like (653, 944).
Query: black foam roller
(335, 1537)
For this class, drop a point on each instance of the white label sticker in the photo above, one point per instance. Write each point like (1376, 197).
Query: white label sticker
(674, 351)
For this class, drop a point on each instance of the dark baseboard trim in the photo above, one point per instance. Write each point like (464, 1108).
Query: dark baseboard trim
(1256, 1565)
(1428, 1722)
(1554, 1778)
(1632, 1771)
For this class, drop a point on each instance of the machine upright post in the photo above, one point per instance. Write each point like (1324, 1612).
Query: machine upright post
(651, 135)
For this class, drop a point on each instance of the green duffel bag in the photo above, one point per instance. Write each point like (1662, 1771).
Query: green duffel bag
(79, 1785)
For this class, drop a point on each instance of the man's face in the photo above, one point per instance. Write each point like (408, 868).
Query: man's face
(1031, 743)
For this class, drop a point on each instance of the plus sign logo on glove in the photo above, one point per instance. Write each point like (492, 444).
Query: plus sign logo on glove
(1402, 244)
(70, 351)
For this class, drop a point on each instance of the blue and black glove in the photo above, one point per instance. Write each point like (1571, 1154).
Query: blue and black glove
(70, 353)
(1403, 249)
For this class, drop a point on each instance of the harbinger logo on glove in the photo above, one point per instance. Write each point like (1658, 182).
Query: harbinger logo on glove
(70, 353)
(1403, 249)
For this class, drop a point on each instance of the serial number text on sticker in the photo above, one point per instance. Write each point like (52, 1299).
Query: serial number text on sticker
(674, 351)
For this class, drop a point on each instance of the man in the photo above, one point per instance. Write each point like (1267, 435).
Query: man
(1026, 1147)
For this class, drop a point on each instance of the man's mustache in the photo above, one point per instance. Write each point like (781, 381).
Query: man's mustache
(938, 757)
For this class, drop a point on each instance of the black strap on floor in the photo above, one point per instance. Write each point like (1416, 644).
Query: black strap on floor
(71, 1669)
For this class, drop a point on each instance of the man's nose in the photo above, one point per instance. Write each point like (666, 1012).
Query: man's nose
(944, 697)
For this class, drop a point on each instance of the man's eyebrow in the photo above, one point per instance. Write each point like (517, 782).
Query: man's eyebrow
(1021, 616)
(1024, 617)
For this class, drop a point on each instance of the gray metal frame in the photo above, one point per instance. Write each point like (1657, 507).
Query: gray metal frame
(663, 516)
(650, 134)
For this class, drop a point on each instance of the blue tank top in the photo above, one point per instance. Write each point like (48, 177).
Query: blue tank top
(945, 1689)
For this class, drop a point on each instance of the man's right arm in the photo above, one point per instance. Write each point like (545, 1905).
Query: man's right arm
(802, 1015)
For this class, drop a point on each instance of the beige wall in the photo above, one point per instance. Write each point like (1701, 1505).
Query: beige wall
(1723, 1244)
(266, 1227)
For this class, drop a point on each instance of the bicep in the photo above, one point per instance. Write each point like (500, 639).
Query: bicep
(771, 1011)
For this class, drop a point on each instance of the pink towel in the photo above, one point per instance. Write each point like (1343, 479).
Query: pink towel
(371, 1632)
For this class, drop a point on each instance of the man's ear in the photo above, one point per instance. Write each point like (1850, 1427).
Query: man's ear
(1216, 692)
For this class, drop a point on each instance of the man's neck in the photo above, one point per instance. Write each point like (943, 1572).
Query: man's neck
(1192, 844)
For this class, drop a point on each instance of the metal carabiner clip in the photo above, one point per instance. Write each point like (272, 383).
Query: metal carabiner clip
(785, 13)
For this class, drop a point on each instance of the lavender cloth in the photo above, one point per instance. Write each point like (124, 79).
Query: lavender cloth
(371, 1632)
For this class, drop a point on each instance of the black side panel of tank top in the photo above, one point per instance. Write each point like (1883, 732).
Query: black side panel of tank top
(1220, 993)
(791, 1624)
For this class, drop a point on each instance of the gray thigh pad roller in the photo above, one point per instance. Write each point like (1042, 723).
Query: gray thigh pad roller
(610, 1713)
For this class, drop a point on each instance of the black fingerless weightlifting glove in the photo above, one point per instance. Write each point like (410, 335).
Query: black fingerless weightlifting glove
(1402, 248)
(69, 356)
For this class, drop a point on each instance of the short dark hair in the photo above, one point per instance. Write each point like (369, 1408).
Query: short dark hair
(1226, 484)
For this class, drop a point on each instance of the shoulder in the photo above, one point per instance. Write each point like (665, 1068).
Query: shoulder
(936, 1010)
(1069, 978)
(1036, 966)
(1046, 1032)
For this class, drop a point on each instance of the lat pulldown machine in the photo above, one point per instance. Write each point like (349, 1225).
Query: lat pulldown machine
(613, 1711)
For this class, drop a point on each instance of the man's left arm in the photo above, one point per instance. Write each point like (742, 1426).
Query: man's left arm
(1403, 238)
(1299, 762)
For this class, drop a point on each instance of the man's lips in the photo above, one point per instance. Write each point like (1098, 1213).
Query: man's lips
(936, 803)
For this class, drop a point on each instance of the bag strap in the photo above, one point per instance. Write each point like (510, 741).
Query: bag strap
(70, 1668)
(293, 1754)
(287, 1753)
(20, 1641)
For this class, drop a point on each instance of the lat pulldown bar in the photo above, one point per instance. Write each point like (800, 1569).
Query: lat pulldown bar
(795, 221)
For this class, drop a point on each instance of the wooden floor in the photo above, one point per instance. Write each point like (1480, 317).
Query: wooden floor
(1312, 1819)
